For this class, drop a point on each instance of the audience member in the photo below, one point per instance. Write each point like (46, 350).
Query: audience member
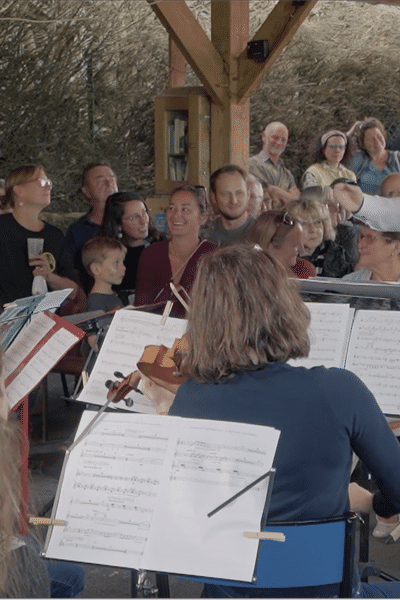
(28, 192)
(104, 259)
(256, 196)
(98, 182)
(126, 217)
(230, 196)
(329, 151)
(268, 166)
(281, 235)
(390, 186)
(175, 260)
(329, 258)
(379, 256)
(372, 162)
(246, 355)
(346, 232)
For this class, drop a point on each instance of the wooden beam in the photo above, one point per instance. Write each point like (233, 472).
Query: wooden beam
(177, 66)
(279, 28)
(194, 44)
(230, 122)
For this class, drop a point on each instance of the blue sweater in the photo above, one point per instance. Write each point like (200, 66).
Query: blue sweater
(324, 415)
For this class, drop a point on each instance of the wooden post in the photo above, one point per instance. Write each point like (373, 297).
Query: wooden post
(222, 65)
(230, 123)
(177, 66)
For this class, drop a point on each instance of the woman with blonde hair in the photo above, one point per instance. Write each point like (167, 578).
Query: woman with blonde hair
(28, 192)
(23, 573)
(246, 320)
(281, 235)
(329, 258)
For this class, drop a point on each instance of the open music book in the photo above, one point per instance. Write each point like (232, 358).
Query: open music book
(130, 331)
(366, 342)
(40, 344)
(17, 313)
(136, 491)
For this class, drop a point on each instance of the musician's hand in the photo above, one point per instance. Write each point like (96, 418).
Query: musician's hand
(159, 396)
(92, 342)
(360, 498)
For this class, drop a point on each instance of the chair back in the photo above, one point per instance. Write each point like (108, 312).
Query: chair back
(314, 553)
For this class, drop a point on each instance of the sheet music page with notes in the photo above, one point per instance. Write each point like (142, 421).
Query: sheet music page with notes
(40, 344)
(130, 331)
(136, 492)
(374, 355)
(329, 331)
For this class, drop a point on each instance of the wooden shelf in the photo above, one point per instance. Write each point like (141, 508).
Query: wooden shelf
(182, 138)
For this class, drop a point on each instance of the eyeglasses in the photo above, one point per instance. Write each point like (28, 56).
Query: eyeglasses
(42, 181)
(335, 146)
(285, 222)
(314, 223)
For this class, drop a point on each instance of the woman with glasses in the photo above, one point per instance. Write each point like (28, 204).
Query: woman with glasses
(126, 217)
(28, 192)
(329, 258)
(329, 151)
(373, 162)
(281, 235)
(174, 261)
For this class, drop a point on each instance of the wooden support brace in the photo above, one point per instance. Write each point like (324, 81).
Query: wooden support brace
(194, 44)
(279, 28)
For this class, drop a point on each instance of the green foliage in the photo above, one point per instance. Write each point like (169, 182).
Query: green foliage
(78, 80)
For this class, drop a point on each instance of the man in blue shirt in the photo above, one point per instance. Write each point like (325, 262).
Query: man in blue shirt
(98, 182)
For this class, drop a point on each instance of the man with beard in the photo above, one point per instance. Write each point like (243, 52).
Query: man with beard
(229, 195)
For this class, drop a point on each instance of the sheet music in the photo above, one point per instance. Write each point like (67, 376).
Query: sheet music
(130, 331)
(329, 330)
(374, 355)
(39, 365)
(28, 338)
(209, 472)
(137, 489)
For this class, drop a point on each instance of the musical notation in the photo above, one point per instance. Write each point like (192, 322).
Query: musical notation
(328, 331)
(136, 492)
(374, 355)
(130, 331)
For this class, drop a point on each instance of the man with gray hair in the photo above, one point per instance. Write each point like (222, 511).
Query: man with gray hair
(269, 167)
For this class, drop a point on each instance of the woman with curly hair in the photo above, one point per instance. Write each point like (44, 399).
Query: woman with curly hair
(23, 573)
(373, 162)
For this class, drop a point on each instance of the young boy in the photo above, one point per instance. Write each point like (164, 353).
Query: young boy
(103, 259)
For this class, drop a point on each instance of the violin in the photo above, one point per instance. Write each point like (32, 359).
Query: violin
(158, 364)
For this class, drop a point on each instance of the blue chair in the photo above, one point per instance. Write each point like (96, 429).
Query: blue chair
(315, 553)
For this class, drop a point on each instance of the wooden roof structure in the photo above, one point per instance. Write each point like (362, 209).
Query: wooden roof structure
(221, 63)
